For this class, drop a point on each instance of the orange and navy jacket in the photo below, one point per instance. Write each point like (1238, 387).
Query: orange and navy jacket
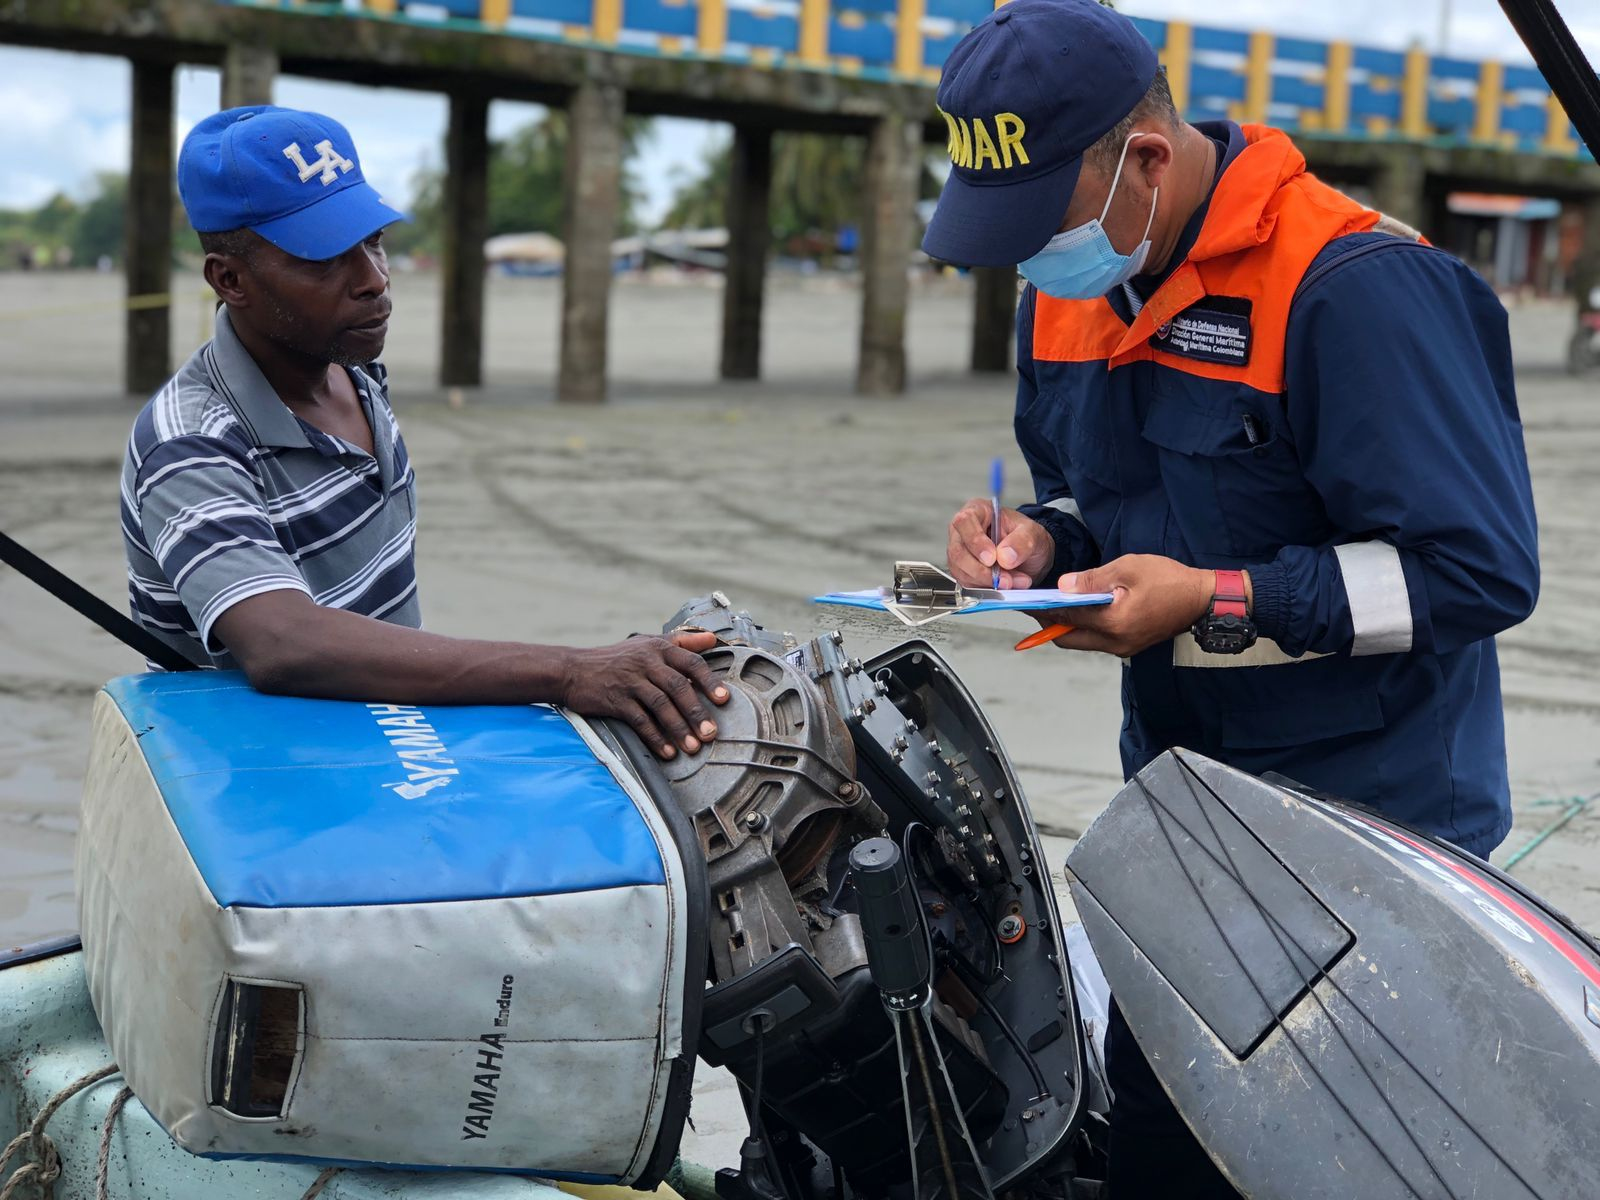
(1330, 407)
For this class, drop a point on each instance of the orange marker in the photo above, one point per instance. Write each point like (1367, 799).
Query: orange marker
(1048, 634)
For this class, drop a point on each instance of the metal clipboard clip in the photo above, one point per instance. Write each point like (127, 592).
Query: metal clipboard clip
(923, 593)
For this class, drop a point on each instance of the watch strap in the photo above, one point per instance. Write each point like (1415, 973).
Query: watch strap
(1228, 599)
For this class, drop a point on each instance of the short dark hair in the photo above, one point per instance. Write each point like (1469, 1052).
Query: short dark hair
(1156, 103)
(240, 243)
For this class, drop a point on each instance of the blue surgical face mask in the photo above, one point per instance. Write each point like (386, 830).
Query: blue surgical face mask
(1081, 263)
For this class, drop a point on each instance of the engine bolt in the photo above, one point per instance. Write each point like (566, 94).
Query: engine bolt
(1010, 930)
(847, 790)
(836, 638)
(963, 811)
(755, 822)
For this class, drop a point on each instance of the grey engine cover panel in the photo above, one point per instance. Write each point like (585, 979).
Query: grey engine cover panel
(1340, 1007)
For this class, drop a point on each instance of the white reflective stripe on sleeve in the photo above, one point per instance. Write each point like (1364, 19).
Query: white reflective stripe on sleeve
(1380, 606)
(1068, 505)
(1186, 652)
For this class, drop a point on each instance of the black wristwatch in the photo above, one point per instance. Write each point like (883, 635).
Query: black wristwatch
(1227, 628)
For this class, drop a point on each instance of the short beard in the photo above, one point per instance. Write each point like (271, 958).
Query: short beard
(339, 356)
(332, 352)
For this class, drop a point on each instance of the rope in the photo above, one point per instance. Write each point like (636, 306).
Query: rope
(321, 1182)
(102, 1170)
(41, 1174)
(1574, 806)
(45, 1168)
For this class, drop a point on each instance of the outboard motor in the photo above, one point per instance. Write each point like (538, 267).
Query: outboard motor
(500, 938)
(897, 1020)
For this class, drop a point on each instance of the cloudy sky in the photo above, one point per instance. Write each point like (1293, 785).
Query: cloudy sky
(66, 115)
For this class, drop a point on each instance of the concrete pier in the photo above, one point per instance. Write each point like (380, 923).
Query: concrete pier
(888, 229)
(749, 221)
(466, 223)
(593, 194)
(249, 73)
(147, 245)
(994, 317)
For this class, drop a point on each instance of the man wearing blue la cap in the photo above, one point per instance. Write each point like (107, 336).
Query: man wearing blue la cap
(1279, 428)
(268, 505)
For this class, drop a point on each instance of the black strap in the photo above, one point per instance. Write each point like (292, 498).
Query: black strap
(1561, 61)
(87, 604)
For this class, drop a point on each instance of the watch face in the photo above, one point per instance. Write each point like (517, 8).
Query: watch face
(1226, 634)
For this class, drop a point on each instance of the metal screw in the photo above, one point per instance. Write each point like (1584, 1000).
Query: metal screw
(933, 777)
(963, 811)
(900, 742)
(966, 831)
(911, 726)
(836, 638)
(1010, 927)
(847, 790)
(870, 704)
(755, 822)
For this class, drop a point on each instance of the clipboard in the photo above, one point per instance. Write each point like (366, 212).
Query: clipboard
(923, 593)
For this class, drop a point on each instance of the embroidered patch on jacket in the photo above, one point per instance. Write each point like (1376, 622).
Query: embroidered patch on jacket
(1210, 331)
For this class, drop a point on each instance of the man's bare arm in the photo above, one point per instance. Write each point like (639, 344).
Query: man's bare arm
(288, 644)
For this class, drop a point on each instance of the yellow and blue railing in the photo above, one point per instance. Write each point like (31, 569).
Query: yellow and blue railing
(1311, 87)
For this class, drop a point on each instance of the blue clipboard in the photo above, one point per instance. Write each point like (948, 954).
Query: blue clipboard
(923, 593)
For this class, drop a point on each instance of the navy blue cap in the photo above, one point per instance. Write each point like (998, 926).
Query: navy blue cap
(1025, 94)
(293, 177)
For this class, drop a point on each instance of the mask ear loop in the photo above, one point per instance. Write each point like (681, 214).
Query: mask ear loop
(1117, 178)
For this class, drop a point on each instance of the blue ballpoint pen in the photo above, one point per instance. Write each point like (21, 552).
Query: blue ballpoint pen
(997, 484)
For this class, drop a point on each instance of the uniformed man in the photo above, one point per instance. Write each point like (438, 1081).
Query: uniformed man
(268, 505)
(1279, 429)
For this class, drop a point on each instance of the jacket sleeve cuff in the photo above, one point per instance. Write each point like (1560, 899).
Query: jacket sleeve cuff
(1269, 590)
(1074, 547)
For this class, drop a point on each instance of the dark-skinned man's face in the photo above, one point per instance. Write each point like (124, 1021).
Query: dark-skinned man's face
(335, 310)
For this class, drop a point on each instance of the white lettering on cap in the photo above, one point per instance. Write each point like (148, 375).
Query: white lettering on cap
(330, 164)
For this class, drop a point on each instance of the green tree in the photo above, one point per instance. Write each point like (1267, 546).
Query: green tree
(817, 185)
(526, 172)
(98, 230)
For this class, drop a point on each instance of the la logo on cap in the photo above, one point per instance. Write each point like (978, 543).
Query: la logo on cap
(973, 147)
(330, 164)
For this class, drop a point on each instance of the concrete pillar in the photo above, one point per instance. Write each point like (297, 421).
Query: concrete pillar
(994, 318)
(248, 74)
(466, 224)
(887, 229)
(1398, 187)
(593, 199)
(147, 231)
(1586, 269)
(749, 238)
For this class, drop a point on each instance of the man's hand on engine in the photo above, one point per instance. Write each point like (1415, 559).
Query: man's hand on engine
(1154, 599)
(654, 684)
(1025, 552)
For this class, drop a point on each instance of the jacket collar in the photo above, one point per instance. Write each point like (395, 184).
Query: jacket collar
(1241, 215)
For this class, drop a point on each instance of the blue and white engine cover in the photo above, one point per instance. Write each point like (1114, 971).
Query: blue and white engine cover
(373, 933)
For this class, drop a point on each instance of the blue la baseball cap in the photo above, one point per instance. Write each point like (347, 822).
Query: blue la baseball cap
(1032, 87)
(293, 177)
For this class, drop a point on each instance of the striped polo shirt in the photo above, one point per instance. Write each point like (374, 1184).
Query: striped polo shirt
(227, 494)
